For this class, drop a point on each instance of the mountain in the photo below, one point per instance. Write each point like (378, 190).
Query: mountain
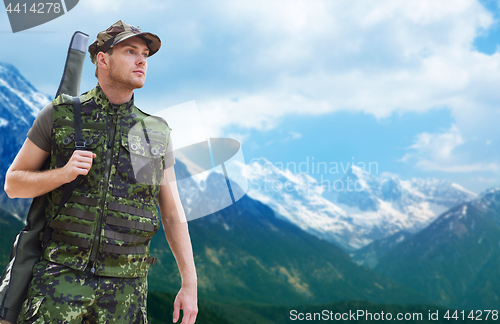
(455, 259)
(370, 255)
(356, 209)
(298, 199)
(385, 205)
(20, 103)
(246, 253)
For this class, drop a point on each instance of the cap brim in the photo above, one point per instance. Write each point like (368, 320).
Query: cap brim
(152, 41)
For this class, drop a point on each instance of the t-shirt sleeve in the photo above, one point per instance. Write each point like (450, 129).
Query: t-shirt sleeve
(41, 131)
(169, 156)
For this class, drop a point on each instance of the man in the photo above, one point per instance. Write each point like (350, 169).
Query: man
(96, 249)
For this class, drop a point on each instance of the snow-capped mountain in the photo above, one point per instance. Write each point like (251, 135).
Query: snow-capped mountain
(298, 198)
(367, 207)
(20, 103)
(385, 205)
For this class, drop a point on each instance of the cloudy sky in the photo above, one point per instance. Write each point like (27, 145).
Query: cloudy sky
(410, 85)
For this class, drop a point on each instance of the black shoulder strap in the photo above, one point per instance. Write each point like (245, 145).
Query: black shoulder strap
(79, 141)
(70, 187)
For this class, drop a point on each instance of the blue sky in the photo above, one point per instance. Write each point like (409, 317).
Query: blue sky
(410, 85)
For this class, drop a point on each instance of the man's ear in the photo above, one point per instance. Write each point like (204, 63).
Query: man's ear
(102, 60)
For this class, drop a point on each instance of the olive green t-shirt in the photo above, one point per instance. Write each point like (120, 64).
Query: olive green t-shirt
(41, 132)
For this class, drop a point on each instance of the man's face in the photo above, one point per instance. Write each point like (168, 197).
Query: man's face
(127, 64)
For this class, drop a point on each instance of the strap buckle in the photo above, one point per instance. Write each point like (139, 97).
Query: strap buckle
(80, 145)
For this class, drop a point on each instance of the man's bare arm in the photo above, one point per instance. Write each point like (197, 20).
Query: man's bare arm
(177, 234)
(25, 180)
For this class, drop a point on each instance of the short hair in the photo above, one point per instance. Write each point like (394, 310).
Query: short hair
(109, 51)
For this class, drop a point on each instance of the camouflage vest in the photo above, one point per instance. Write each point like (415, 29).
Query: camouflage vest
(108, 222)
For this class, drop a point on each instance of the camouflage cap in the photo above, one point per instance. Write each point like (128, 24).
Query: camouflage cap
(118, 32)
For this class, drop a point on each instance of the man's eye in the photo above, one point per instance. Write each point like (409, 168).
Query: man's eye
(130, 51)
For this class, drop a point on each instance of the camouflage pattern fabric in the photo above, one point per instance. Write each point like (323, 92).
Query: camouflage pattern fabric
(58, 294)
(119, 32)
(107, 224)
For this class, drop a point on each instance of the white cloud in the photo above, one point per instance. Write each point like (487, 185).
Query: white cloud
(312, 57)
(438, 146)
(437, 152)
(317, 57)
(374, 57)
(308, 57)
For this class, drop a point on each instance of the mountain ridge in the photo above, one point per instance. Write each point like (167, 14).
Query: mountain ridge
(451, 260)
(353, 218)
(246, 252)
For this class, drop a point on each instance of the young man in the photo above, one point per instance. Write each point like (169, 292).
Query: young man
(96, 252)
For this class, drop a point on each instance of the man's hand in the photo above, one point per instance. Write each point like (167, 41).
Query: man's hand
(79, 163)
(186, 300)
(25, 180)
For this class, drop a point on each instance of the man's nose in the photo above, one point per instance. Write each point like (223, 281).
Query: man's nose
(142, 60)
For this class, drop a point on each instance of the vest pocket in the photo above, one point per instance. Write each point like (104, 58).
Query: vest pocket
(72, 230)
(129, 228)
(139, 168)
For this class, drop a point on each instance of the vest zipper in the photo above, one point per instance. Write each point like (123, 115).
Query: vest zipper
(109, 157)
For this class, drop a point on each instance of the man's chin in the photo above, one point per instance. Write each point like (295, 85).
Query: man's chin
(138, 84)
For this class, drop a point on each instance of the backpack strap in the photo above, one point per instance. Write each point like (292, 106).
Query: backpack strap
(79, 142)
(70, 187)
